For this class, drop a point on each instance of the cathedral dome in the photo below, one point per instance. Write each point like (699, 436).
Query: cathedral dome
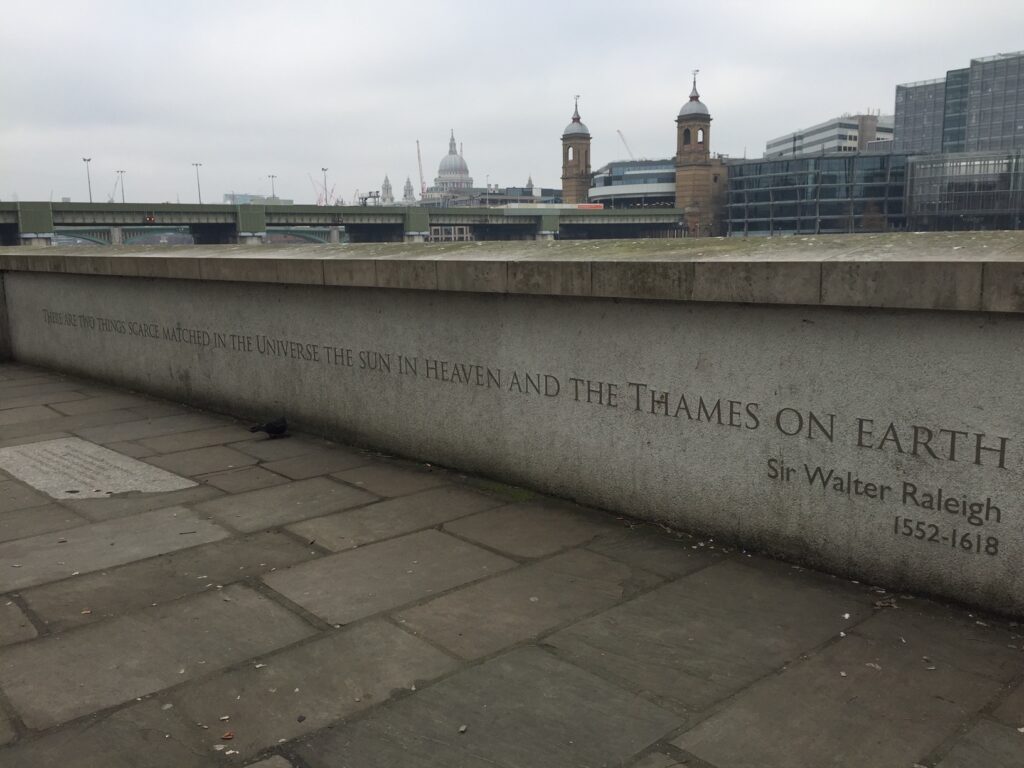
(452, 164)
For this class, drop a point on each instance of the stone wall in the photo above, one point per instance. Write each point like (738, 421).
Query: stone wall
(885, 443)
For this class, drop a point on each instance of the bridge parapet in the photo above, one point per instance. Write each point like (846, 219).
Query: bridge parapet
(849, 402)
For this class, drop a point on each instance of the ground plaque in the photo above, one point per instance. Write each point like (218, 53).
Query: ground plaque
(72, 468)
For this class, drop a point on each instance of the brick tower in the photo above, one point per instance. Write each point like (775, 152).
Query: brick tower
(697, 176)
(575, 160)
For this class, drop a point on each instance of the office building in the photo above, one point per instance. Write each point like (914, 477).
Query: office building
(849, 133)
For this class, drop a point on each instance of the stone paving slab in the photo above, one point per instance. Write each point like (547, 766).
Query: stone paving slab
(139, 736)
(15, 495)
(72, 468)
(142, 427)
(525, 709)
(127, 504)
(486, 617)
(201, 461)
(7, 732)
(32, 521)
(52, 556)
(118, 660)
(102, 595)
(642, 547)
(380, 577)
(394, 517)
(95, 404)
(200, 438)
(44, 398)
(131, 448)
(28, 413)
(322, 462)
(986, 745)
(308, 687)
(276, 450)
(15, 626)
(241, 480)
(81, 422)
(858, 703)
(390, 480)
(1011, 710)
(282, 504)
(696, 641)
(531, 529)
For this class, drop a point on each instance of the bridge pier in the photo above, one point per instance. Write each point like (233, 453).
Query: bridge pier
(116, 236)
(251, 238)
(334, 235)
(33, 238)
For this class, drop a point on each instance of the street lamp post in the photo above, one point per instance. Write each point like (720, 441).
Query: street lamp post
(120, 177)
(88, 178)
(273, 195)
(199, 190)
(325, 185)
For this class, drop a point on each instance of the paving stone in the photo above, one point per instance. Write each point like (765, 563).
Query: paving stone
(130, 448)
(139, 736)
(271, 762)
(7, 733)
(147, 427)
(531, 529)
(240, 480)
(351, 585)
(159, 410)
(269, 507)
(39, 386)
(484, 618)
(37, 429)
(947, 638)
(117, 660)
(275, 450)
(525, 709)
(41, 399)
(654, 551)
(16, 495)
(136, 503)
(49, 556)
(31, 413)
(160, 580)
(322, 462)
(200, 438)
(986, 745)
(95, 404)
(14, 624)
(659, 760)
(201, 461)
(888, 710)
(390, 518)
(34, 438)
(708, 635)
(390, 480)
(308, 687)
(32, 521)
(1011, 710)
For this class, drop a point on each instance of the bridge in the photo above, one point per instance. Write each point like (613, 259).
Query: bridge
(39, 223)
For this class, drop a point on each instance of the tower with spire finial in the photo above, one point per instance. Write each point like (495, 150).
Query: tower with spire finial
(575, 159)
(387, 197)
(408, 196)
(699, 178)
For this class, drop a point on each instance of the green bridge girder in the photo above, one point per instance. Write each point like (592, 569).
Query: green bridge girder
(228, 223)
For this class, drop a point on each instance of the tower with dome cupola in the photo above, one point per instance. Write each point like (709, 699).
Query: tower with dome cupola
(575, 159)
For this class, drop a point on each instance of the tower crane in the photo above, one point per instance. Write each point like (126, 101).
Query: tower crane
(628, 150)
(419, 162)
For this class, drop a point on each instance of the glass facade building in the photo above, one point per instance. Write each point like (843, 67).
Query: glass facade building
(979, 108)
(635, 184)
(966, 191)
(813, 195)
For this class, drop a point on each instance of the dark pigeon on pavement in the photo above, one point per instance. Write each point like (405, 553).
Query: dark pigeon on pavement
(274, 429)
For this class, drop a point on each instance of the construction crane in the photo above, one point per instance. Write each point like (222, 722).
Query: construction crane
(419, 162)
(628, 150)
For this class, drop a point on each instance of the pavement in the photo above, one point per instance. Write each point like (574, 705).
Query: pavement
(304, 604)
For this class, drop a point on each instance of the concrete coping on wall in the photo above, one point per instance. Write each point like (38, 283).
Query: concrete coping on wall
(964, 271)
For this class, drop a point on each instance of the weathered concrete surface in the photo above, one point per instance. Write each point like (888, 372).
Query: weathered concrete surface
(642, 648)
(821, 433)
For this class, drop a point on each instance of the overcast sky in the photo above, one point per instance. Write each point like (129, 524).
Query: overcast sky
(256, 88)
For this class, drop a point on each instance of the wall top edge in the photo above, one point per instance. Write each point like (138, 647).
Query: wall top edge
(978, 271)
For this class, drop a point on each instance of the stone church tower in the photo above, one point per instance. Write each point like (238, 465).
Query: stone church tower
(700, 179)
(575, 160)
